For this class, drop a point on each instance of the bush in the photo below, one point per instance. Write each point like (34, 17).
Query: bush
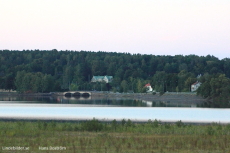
(93, 125)
(42, 125)
(114, 124)
(123, 122)
(53, 125)
(67, 127)
(129, 123)
(210, 130)
(156, 123)
(179, 124)
(167, 125)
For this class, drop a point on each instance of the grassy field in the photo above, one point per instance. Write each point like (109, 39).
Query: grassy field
(126, 136)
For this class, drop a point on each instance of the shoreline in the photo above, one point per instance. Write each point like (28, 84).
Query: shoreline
(168, 97)
(188, 98)
(8, 119)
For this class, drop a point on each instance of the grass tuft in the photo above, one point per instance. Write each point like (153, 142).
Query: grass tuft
(124, 136)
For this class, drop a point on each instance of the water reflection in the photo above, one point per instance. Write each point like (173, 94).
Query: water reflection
(108, 102)
(167, 104)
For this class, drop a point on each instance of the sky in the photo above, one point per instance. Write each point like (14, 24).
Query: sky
(157, 27)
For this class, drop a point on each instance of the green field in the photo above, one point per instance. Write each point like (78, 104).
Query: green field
(111, 137)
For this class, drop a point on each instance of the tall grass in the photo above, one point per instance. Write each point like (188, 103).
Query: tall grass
(124, 136)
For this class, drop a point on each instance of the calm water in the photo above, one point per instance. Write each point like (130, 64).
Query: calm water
(61, 108)
(94, 102)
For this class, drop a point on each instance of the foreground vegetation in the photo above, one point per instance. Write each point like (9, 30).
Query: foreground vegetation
(124, 136)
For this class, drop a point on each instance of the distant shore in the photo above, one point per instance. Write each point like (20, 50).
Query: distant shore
(186, 97)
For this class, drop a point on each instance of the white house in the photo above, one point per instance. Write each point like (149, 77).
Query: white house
(106, 79)
(195, 86)
(148, 88)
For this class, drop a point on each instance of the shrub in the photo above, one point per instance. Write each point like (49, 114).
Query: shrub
(179, 124)
(156, 123)
(44, 125)
(114, 124)
(210, 130)
(129, 123)
(167, 125)
(123, 122)
(93, 125)
(53, 125)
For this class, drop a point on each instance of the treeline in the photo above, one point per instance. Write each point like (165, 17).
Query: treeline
(33, 82)
(216, 88)
(44, 71)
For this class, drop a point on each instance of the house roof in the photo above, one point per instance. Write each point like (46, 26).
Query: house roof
(195, 83)
(147, 85)
(109, 77)
(98, 77)
(102, 78)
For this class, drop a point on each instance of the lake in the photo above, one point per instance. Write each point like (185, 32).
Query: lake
(61, 108)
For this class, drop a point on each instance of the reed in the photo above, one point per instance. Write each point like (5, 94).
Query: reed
(125, 136)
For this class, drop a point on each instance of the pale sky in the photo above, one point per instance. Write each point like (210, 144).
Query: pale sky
(158, 27)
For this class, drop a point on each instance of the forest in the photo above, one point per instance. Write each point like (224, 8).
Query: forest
(52, 70)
